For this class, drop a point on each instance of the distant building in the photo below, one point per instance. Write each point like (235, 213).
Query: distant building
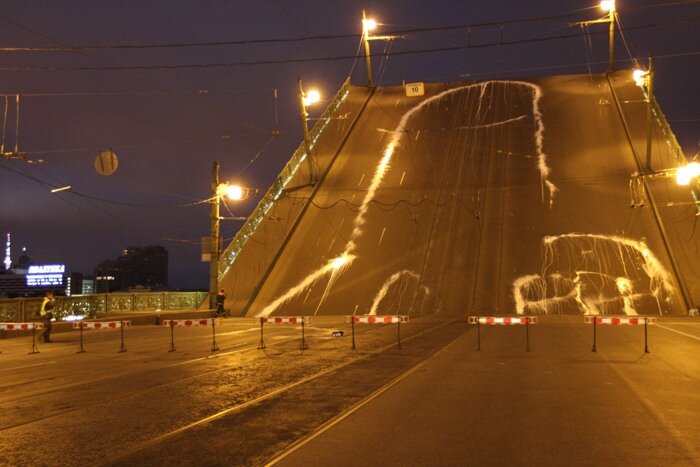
(23, 278)
(39, 279)
(140, 268)
(88, 286)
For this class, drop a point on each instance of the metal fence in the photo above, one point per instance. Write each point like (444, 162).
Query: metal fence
(231, 252)
(26, 309)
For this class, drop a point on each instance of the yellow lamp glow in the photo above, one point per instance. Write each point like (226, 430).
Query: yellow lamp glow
(608, 5)
(235, 192)
(369, 24)
(685, 174)
(640, 77)
(312, 97)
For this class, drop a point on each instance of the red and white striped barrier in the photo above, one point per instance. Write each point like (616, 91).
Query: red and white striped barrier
(621, 321)
(20, 326)
(283, 320)
(504, 320)
(173, 323)
(101, 324)
(24, 327)
(193, 322)
(377, 319)
(374, 319)
(617, 320)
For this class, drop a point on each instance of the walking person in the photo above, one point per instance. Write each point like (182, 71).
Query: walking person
(220, 299)
(46, 315)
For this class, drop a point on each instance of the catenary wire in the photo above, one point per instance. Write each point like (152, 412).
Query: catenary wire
(339, 57)
(310, 37)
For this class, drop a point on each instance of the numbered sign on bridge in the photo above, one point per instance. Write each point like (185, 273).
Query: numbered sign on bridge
(415, 89)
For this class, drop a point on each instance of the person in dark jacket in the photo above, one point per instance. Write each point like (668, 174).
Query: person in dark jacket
(220, 299)
(46, 315)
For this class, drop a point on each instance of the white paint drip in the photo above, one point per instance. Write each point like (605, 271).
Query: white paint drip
(595, 262)
(491, 125)
(385, 287)
(383, 165)
(624, 286)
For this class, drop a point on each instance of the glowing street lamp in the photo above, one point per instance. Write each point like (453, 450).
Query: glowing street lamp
(640, 77)
(685, 174)
(609, 7)
(305, 100)
(219, 189)
(369, 25)
(645, 80)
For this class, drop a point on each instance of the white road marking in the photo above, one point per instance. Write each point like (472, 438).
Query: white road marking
(678, 332)
(26, 366)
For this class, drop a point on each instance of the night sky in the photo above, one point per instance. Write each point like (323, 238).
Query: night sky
(170, 112)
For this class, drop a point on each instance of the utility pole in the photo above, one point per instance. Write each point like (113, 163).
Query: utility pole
(305, 127)
(611, 38)
(650, 109)
(214, 250)
(365, 39)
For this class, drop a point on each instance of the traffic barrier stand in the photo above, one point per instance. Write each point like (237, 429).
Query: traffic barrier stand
(192, 322)
(378, 319)
(24, 327)
(283, 320)
(620, 320)
(503, 321)
(102, 325)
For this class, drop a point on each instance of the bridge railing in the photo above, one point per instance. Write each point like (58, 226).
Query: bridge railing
(23, 309)
(290, 169)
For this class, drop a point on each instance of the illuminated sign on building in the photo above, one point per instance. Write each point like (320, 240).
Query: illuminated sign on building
(45, 275)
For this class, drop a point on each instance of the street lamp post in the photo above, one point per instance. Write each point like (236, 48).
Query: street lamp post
(305, 100)
(645, 79)
(610, 6)
(214, 247)
(650, 108)
(367, 26)
(233, 192)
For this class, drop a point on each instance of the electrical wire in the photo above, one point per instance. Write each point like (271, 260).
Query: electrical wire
(635, 62)
(108, 217)
(132, 146)
(298, 22)
(122, 70)
(339, 57)
(316, 38)
(256, 156)
(96, 198)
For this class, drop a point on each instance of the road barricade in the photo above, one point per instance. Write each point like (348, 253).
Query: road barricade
(283, 320)
(213, 322)
(378, 319)
(102, 325)
(503, 321)
(24, 327)
(620, 320)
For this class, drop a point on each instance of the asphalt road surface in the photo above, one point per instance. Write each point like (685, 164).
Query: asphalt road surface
(559, 404)
(435, 401)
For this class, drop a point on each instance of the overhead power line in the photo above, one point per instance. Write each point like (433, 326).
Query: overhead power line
(308, 37)
(316, 38)
(499, 43)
